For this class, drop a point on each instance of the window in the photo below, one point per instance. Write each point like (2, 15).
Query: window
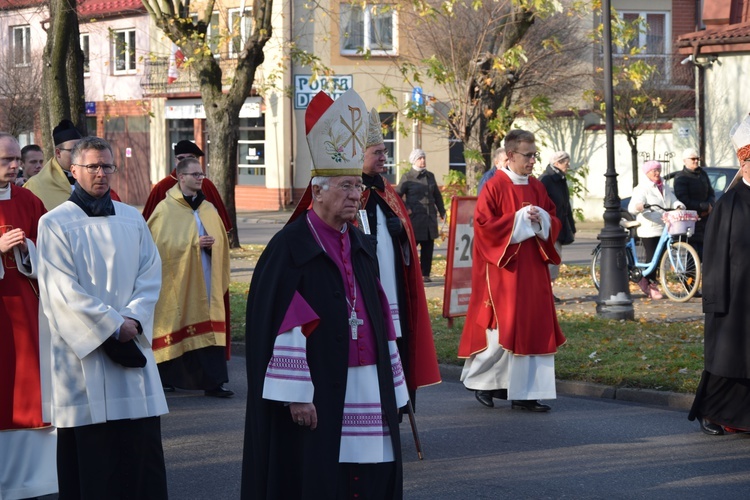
(85, 49)
(251, 151)
(456, 160)
(240, 27)
(21, 45)
(388, 123)
(368, 28)
(213, 34)
(124, 51)
(653, 40)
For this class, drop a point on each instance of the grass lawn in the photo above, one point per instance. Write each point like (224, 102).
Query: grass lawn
(641, 354)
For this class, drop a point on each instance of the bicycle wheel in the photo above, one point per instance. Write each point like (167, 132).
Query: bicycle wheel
(680, 271)
(596, 265)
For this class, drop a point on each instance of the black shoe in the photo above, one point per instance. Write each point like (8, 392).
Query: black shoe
(558, 300)
(531, 405)
(710, 428)
(219, 392)
(484, 397)
(426, 279)
(500, 394)
(168, 388)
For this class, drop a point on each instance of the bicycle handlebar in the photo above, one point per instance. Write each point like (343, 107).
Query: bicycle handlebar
(647, 206)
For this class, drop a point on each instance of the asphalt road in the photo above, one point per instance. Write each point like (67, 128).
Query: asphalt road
(584, 448)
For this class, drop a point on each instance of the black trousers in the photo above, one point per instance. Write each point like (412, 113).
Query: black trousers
(425, 255)
(650, 244)
(116, 460)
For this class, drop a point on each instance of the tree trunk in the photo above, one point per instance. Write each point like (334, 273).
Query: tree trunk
(634, 158)
(62, 79)
(223, 126)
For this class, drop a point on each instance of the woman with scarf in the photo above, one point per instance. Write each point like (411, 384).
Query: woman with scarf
(424, 202)
(652, 191)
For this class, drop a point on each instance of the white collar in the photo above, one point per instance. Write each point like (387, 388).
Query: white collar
(516, 178)
(5, 192)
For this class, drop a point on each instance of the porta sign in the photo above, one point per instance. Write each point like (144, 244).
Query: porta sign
(305, 87)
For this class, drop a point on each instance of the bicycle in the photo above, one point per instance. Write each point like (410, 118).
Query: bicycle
(679, 264)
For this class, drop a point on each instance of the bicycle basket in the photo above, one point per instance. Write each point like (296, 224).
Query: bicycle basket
(680, 221)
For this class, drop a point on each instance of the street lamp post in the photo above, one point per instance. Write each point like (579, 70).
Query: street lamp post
(614, 300)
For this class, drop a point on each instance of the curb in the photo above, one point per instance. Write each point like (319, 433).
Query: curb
(671, 400)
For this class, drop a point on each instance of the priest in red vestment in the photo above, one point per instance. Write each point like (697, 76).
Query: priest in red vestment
(511, 332)
(182, 151)
(27, 443)
(400, 272)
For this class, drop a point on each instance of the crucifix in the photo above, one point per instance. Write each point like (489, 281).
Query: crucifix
(354, 322)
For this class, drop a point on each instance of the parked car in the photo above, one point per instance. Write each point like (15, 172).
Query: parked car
(720, 178)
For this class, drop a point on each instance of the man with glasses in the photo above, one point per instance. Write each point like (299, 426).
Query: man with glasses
(55, 182)
(99, 280)
(184, 150)
(400, 270)
(324, 377)
(189, 327)
(693, 188)
(511, 332)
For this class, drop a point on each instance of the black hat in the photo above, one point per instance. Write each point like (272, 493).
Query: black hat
(187, 148)
(65, 131)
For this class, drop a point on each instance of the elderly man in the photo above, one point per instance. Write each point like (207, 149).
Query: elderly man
(27, 443)
(99, 279)
(511, 332)
(189, 327)
(554, 180)
(693, 188)
(324, 377)
(400, 272)
(499, 160)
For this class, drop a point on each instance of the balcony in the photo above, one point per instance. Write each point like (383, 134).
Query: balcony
(155, 81)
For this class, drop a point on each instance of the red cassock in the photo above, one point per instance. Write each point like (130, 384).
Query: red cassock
(159, 192)
(511, 288)
(20, 386)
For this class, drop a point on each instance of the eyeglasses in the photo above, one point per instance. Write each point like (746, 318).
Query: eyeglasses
(694, 159)
(348, 188)
(529, 156)
(197, 175)
(185, 157)
(93, 168)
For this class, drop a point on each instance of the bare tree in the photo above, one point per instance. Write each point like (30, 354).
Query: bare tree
(20, 91)
(222, 107)
(495, 61)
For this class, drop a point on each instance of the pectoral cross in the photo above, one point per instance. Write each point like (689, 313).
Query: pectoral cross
(354, 322)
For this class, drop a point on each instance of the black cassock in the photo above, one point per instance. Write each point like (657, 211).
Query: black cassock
(283, 460)
(723, 395)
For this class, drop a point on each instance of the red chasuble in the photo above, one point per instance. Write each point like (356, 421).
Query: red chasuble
(511, 288)
(159, 192)
(20, 386)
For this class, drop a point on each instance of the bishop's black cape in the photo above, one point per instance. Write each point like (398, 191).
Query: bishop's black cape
(282, 459)
(723, 394)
